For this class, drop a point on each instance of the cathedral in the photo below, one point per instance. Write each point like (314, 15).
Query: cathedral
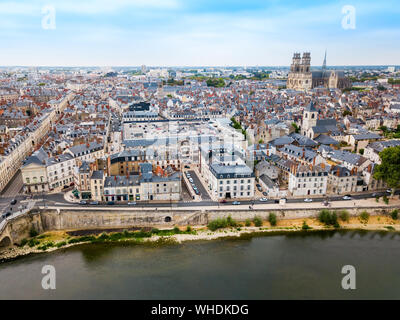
(302, 78)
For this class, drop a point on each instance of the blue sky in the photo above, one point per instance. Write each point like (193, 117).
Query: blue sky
(197, 32)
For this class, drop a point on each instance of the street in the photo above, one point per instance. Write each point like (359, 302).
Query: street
(58, 199)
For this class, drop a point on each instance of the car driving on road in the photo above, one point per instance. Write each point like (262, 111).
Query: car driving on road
(308, 200)
(347, 197)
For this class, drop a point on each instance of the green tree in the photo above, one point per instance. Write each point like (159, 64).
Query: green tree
(257, 221)
(344, 215)
(272, 219)
(389, 169)
(364, 217)
(296, 127)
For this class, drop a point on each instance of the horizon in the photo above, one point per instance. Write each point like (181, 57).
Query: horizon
(192, 66)
(198, 33)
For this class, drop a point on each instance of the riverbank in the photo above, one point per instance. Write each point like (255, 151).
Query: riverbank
(56, 240)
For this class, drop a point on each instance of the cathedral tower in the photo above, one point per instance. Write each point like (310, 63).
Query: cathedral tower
(300, 77)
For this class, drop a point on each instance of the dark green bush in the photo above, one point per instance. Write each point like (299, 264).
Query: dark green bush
(328, 218)
(305, 226)
(33, 232)
(272, 219)
(33, 242)
(177, 230)
(221, 223)
(344, 216)
(257, 221)
(385, 199)
(364, 217)
(395, 214)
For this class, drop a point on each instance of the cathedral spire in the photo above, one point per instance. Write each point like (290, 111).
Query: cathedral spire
(324, 64)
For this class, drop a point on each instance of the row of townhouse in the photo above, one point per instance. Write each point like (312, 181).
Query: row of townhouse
(24, 144)
(145, 186)
(43, 173)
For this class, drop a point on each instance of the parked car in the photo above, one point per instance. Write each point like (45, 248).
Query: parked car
(197, 192)
(347, 197)
(235, 203)
(223, 201)
(6, 215)
(187, 167)
(374, 194)
(265, 193)
(389, 191)
(14, 201)
(190, 179)
(132, 203)
(94, 203)
(263, 199)
(308, 200)
(110, 203)
(83, 202)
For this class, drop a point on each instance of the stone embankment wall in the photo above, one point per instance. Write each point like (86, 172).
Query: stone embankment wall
(242, 215)
(67, 219)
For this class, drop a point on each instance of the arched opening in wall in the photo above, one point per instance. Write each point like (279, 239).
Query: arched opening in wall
(5, 243)
(168, 219)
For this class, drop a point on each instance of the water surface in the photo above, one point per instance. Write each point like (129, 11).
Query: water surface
(292, 266)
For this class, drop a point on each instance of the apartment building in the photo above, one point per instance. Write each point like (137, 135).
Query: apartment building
(308, 180)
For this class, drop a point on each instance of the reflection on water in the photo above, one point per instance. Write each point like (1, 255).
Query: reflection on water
(301, 265)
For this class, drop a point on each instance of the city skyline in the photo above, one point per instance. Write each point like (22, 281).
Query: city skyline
(196, 33)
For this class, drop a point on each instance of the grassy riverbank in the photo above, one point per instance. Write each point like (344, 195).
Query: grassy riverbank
(221, 229)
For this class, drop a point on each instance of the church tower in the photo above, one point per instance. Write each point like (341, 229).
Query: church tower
(300, 77)
(310, 117)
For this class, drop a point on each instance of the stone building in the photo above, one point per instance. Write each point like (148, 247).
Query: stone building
(302, 78)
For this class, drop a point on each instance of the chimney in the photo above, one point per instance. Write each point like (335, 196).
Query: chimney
(370, 168)
(338, 172)
(313, 162)
(323, 166)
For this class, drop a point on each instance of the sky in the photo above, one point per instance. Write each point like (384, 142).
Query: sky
(197, 32)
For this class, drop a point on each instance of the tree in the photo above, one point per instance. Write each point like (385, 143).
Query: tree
(296, 127)
(389, 169)
(272, 219)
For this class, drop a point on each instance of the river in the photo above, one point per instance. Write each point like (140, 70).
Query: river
(291, 266)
